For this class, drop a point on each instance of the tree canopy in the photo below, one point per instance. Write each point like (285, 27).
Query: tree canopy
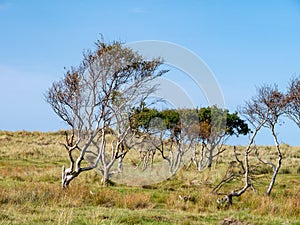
(204, 119)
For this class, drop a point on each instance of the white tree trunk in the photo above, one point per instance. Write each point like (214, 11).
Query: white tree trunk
(276, 169)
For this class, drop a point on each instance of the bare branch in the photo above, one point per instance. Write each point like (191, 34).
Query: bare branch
(96, 98)
(262, 161)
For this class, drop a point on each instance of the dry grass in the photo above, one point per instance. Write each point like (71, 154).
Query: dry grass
(30, 192)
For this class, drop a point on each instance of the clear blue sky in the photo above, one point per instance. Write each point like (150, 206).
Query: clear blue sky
(245, 43)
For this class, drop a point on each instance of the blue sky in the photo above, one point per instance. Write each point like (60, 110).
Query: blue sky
(245, 43)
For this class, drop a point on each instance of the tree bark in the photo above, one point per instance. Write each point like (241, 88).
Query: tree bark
(276, 169)
(106, 172)
(105, 177)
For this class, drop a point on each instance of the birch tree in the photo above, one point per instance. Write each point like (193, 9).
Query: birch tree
(95, 100)
(269, 105)
(262, 111)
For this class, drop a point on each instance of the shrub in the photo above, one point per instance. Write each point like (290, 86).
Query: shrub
(136, 201)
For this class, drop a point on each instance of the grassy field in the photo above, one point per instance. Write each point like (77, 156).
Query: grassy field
(30, 191)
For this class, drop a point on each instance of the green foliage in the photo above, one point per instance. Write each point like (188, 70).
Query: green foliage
(230, 123)
(205, 121)
(171, 120)
(140, 119)
(235, 125)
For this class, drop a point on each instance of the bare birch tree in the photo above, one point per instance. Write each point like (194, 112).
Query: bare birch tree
(248, 110)
(270, 105)
(96, 100)
(263, 110)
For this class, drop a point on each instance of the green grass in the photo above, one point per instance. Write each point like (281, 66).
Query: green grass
(30, 191)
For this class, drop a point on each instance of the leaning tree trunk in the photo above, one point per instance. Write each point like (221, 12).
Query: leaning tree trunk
(68, 174)
(75, 166)
(277, 167)
(65, 178)
(228, 197)
(246, 168)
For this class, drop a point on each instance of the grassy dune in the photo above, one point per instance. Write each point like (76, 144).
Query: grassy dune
(30, 191)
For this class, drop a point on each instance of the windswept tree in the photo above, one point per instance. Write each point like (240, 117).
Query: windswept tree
(144, 124)
(164, 135)
(269, 105)
(216, 126)
(96, 99)
(174, 142)
(263, 110)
